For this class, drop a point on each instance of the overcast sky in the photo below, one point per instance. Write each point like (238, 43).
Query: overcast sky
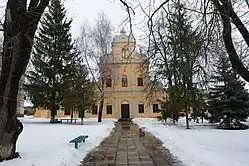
(81, 10)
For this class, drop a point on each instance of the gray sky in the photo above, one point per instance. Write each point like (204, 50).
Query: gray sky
(81, 10)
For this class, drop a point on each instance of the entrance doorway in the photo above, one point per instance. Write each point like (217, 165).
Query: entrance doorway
(125, 111)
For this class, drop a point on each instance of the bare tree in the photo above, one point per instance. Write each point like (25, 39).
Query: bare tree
(175, 53)
(95, 44)
(19, 27)
(228, 16)
(211, 14)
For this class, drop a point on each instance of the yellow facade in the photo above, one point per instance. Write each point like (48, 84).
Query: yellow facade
(45, 113)
(125, 62)
(124, 68)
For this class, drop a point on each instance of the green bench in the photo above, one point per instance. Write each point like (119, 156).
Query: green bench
(79, 139)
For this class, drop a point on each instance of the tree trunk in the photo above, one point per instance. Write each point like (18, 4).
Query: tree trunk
(53, 112)
(71, 116)
(81, 122)
(174, 118)
(101, 105)
(82, 110)
(202, 116)
(8, 142)
(187, 121)
(20, 25)
(82, 114)
(227, 14)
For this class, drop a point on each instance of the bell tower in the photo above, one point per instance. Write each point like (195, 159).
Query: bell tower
(123, 45)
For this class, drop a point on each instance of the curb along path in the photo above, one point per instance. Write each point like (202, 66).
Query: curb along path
(128, 145)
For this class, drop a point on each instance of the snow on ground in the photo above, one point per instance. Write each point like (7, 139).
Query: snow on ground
(202, 145)
(44, 144)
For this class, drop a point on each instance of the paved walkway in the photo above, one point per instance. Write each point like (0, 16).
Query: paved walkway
(128, 145)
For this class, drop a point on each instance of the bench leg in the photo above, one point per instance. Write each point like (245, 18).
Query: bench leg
(76, 145)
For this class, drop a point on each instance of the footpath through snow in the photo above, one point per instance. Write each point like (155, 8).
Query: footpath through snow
(44, 144)
(202, 145)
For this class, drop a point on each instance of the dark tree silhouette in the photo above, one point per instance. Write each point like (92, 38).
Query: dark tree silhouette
(19, 29)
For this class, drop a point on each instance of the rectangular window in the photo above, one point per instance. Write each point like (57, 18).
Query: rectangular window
(140, 81)
(94, 110)
(109, 109)
(108, 82)
(124, 82)
(155, 108)
(140, 108)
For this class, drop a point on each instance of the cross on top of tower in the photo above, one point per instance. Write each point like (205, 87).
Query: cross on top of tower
(122, 31)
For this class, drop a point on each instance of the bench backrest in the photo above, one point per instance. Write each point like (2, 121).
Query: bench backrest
(79, 138)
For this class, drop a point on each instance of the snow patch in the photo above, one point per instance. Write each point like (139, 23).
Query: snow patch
(202, 145)
(44, 144)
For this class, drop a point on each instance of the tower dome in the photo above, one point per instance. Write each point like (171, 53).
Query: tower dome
(122, 38)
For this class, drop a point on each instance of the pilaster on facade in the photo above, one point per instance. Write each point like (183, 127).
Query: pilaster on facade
(148, 106)
(116, 107)
(115, 80)
(133, 82)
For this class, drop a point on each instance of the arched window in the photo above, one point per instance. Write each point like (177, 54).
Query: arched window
(123, 53)
(108, 81)
(124, 81)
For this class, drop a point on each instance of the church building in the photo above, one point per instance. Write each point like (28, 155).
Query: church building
(128, 92)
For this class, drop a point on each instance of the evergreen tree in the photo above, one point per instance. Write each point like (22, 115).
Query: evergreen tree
(79, 95)
(184, 47)
(197, 104)
(228, 99)
(173, 105)
(52, 58)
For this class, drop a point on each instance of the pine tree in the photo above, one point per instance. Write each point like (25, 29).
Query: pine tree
(79, 95)
(52, 58)
(228, 99)
(197, 104)
(185, 44)
(173, 105)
